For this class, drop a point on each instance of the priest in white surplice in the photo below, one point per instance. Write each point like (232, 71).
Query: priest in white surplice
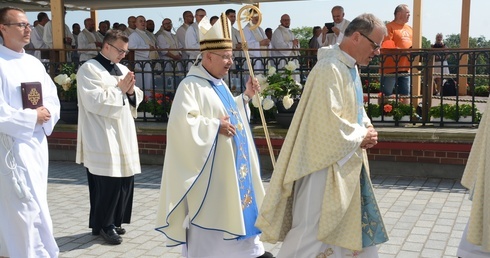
(256, 39)
(131, 26)
(211, 187)
(235, 35)
(167, 40)
(140, 39)
(88, 40)
(188, 19)
(475, 242)
(283, 38)
(68, 40)
(192, 36)
(336, 34)
(106, 140)
(320, 200)
(26, 229)
(37, 36)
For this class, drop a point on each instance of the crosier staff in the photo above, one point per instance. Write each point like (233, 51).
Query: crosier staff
(248, 17)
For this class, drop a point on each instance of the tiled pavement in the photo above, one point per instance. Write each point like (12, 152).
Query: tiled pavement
(425, 217)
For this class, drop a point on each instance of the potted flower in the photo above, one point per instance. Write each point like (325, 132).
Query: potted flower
(279, 88)
(398, 111)
(453, 113)
(158, 104)
(437, 112)
(372, 86)
(373, 111)
(66, 83)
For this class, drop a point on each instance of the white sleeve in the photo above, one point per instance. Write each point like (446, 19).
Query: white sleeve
(162, 44)
(192, 42)
(181, 35)
(278, 42)
(48, 35)
(251, 41)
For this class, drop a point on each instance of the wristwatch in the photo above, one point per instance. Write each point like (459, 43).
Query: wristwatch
(245, 97)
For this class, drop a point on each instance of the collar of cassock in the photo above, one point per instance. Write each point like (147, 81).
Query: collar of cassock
(108, 65)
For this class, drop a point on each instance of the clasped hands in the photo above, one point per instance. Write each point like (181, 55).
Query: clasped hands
(127, 83)
(43, 115)
(370, 139)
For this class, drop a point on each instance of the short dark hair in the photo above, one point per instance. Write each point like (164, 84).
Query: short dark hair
(214, 18)
(74, 24)
(112, 35)
(316, 28)
(200, 9)
(4, 11)
(41, 16)
(186, 12)
(230, 11)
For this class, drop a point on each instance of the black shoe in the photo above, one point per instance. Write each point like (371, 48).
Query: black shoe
(120, 231)
(111, 236)
(266, 255)
(95, 232)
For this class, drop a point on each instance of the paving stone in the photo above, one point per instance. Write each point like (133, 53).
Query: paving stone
(425, 217)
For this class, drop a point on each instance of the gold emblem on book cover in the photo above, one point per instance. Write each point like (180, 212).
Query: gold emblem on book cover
(34, 96)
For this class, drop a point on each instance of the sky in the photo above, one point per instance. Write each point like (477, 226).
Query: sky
(437, 15)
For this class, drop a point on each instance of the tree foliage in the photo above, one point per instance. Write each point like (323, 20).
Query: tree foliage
(304, 35)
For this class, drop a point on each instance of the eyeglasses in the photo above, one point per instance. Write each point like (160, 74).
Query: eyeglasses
(121, 51)
(376, 46)
(21, 25)
(225, 57)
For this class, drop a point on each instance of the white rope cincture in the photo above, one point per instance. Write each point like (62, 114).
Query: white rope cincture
(20, 186)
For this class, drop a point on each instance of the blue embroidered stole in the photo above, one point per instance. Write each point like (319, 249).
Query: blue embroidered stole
(373, 228)
(242, 162)
(359, 94)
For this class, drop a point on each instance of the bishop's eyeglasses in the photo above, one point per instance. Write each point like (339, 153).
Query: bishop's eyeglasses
(225, 57)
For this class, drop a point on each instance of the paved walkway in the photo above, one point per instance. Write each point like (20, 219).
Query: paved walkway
(424, 217)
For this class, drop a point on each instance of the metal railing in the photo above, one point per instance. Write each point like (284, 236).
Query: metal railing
(469, 68)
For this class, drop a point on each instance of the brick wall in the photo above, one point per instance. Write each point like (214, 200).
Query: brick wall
(423, 152)
(395, 151)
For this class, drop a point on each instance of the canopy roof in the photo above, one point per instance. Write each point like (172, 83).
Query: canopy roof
(41, 5)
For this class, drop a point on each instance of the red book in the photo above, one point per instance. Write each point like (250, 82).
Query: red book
(32, 94)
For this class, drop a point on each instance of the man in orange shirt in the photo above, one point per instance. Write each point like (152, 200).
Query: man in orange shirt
(401, 34)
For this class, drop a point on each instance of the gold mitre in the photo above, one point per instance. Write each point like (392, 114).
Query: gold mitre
(217, 36)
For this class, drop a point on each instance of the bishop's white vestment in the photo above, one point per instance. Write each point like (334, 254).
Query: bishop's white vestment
(200, 188)
(26, 229)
